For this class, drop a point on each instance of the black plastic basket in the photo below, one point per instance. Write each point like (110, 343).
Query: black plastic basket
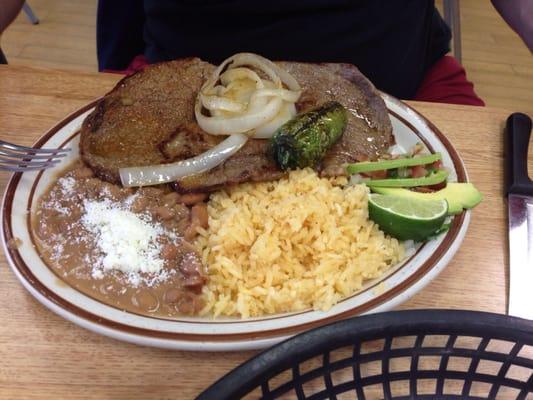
(419, 354)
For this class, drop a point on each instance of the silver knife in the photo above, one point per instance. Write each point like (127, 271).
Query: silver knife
(519, 189)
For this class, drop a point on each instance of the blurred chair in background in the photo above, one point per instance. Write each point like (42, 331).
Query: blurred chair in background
(30, 14)
(452, 17)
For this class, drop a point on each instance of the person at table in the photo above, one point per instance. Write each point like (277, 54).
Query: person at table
(401, 45)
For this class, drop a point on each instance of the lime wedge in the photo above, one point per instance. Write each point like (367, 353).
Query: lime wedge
(407, 218)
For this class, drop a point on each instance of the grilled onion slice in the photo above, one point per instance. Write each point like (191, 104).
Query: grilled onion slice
(164, 173)
(247, 96)
(237, 99)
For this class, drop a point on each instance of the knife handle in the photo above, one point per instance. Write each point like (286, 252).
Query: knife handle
(518, 131)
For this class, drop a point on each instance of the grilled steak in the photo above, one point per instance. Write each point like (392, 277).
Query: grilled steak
(368, 131)
(148, 119)
(130, 122)
(251, 163)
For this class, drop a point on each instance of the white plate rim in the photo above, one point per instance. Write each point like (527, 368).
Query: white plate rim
(250, 339)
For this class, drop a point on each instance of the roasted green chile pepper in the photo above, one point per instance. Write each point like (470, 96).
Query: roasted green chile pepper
(304, 140)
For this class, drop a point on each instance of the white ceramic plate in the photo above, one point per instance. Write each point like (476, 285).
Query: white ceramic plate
(400, 283)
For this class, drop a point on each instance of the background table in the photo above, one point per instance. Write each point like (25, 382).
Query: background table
(44, 356)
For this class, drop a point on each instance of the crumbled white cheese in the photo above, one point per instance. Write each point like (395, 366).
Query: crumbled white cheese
(129, 243)
(130, 199)
(67, 185)
(97, 273)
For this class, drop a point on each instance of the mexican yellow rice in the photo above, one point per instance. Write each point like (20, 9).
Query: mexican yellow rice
(300, 242)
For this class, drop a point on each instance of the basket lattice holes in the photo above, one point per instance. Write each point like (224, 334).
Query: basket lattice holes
(403, 367)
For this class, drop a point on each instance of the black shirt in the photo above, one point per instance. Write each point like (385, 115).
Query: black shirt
(393, 42)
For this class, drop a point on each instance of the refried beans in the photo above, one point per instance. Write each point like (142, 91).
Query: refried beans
(129, 248)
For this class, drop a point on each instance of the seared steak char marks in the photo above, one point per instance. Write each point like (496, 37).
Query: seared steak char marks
(368, 132)
(251, 163)
(143, 110)
(188, 141)
(149, 119)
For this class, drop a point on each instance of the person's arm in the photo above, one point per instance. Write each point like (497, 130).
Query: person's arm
(9, 10)
(519, 15)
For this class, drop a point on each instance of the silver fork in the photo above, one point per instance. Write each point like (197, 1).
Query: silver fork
(17, 158)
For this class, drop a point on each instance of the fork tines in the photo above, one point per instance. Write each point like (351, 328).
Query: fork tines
(21, 158)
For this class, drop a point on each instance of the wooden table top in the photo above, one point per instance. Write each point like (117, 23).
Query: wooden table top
(45, 356)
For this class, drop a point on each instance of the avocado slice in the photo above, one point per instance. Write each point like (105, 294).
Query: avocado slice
(458, 195)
